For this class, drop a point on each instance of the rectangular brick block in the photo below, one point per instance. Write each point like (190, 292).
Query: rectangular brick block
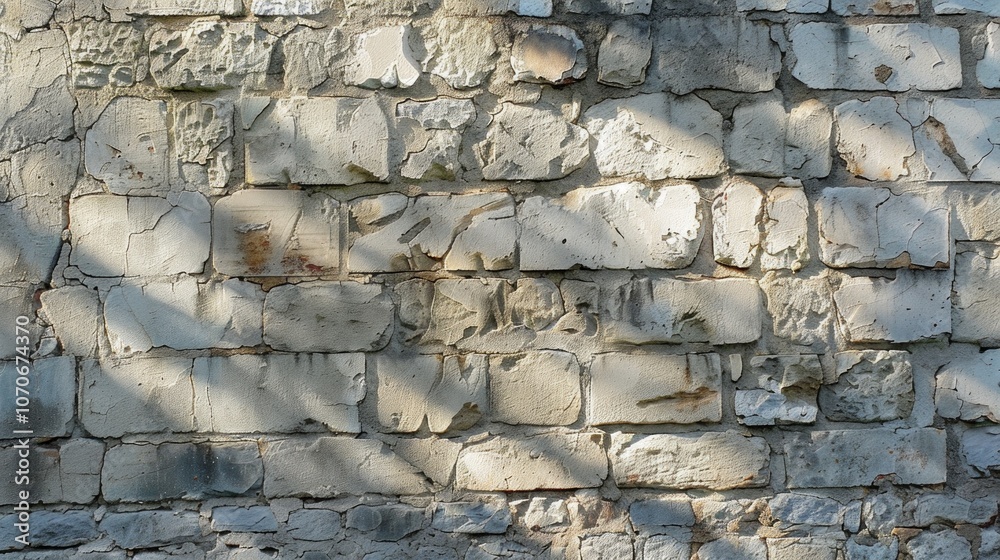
(913, 306)
(540, 461)
(328, 317)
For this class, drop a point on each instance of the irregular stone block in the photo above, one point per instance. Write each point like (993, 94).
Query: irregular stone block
(968, 126)
(127, 147)
(786, 394)
(105, 54)
(52, 389)
(386, 523)
(202, 134)
(756, 144)
(286, 7)
(288, 391)
(745, 548)
(539, 461)
(936, 508)
(692, 53)
(942, 544)
(460, 50)
(623, 226)
(460, 232)
(802, 509)
(807, 140)
(655, 389)
(845, 458)
(984, 7)
(314, 525)
(471, 517)
(653, 515)
(410, 389)
(665, 546)
(75, 314)
(16, 300)
(533, 8)
(435, 156)
(442, 113)
(914, 306)
(981, 451)
(974, 318)
(308, 58)
(874, 139)
(327, 317)
(617, 7)
(818, 548)
(606, 545)
(736, 216)
(70, 528)
(147, 529)
(318, 141)
(210, 55)
(655, 136)
(382, 57)
(860, 548)
(140, 236)
(624, 54)
(331, 466)
(791, 6)
(183, 315)
(253, 519)
(712, 460)
(121, 9)
(546, 514)
(531, 143)
(548, 54)
(435, 457)
(519, 382)
(37, 104)
(967, 387)
(144, 395)
(875, 7)
(148, 473)
(976, 217)
(22, 15)
(801, 308)
(877, 57)
(871, 386)
(67, 472)
(871, 227)
(786, 216)
(258, 232)
(988, 68)
(668, 310)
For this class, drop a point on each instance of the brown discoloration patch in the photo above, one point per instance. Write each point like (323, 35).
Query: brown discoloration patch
(256, 248)
(883, 73)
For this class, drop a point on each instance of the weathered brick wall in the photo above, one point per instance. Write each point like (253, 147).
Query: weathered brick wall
(475, 279)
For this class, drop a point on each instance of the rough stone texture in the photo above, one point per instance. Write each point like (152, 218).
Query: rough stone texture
(539, 461)
(802, 509)
(261, 232)
(871, 386)
(184, 314)
(470, 517)
(736, 215)
(327, 317)
(655, 136)
(386, 523)
(622, 226)
(607, 546)
(914, 306)
(616, 7)
(654, 514)
(63, 529)
(532, 8)
(65, 473)
(875, 7)
(786, 215)
(729, 53)
(332, 466)
(450, 394)
(519, 382)
(314, 525)
(115, 397)
(785, 391)
(871, 227)
(140, 236)
(75, 313)
(105, 54)
(144, 473)
(989, 66)
(461, 50)
(145, 529)
(937, 508)
(973, 318)
(547, 514)
(802, 308)
(793, 548)
(655, 388)
(842, 458)
(874, 140)
(756, 144)
(52, 387)
(669, 310)
(980, 450)
(968, 126)
(287, 392)
(713, 460)
(254, 519)
(318, 141)
(747, 548)
(121, 9)
(127, 147)
(552, 54)
(210, 55)
(308, 57)
(885, 56)
(967, 387)
(457, 232)
(966, 7)
(202, 135)
(942, 544)
(624, 53)
(531, 143)
(37, 105)
(286, 7)
(807, 140)
(382, 58)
